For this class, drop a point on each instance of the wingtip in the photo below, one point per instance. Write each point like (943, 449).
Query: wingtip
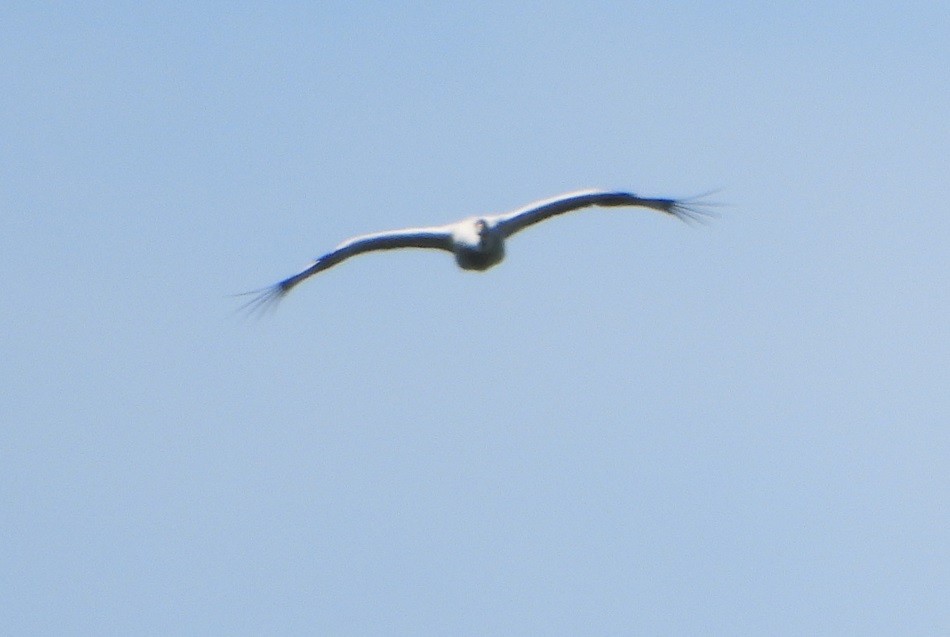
(694, 209)
(263, 299)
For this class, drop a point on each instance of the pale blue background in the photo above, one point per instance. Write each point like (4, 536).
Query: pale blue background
(632, 426)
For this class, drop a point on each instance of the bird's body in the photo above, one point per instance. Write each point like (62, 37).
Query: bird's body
(478, 243)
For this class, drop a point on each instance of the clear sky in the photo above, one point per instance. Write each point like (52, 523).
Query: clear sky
(631, 426)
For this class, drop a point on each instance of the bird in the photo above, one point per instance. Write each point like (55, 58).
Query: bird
(478, 243)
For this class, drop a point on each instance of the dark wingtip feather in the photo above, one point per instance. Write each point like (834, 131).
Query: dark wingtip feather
(693, 209)
(266, 299)
(263, 300)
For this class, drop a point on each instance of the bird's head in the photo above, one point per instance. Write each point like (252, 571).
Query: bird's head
(484, 232)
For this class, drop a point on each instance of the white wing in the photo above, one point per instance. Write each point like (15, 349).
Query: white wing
(439, 237)
(511, 222)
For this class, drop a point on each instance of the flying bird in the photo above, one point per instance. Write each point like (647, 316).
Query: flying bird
(478, 243)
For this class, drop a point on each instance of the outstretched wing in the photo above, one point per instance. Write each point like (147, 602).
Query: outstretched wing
(511, 222)
(435, 237)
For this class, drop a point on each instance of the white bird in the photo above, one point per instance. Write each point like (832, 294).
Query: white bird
(478, 243)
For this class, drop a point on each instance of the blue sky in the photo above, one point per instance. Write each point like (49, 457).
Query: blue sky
(631, 426)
